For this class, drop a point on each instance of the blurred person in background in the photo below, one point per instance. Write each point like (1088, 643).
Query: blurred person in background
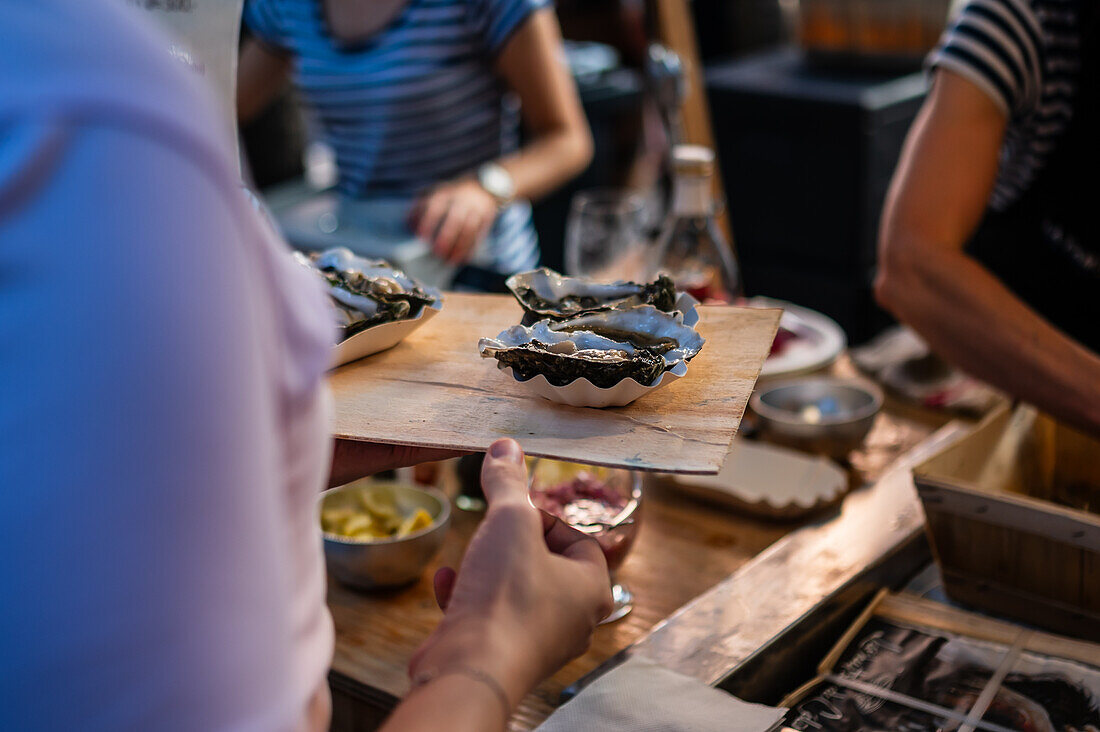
(414, 96)
(164, 430)
(990, 238)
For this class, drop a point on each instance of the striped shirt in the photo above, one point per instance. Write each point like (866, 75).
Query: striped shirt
(415, 104)
(1025, 54)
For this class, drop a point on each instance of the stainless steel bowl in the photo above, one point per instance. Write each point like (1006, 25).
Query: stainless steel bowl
(372, 564)
(823, 415)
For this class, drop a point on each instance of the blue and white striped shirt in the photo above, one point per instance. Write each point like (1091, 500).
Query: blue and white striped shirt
(416, 104)
(1025, 54)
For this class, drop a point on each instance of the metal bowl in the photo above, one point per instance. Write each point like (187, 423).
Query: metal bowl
(370, 564)
(818, 414)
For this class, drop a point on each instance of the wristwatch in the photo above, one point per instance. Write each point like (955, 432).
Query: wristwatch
(497, 182)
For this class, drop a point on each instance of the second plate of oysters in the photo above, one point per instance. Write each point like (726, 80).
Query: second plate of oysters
(587, 343)
(375, 304)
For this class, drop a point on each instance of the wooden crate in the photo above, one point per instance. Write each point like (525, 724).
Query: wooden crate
(1013, 516)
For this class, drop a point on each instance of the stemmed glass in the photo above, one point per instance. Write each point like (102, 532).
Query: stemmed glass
(604, 503)
(604, 236)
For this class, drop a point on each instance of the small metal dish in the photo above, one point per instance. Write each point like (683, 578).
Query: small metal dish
(369, 564)
(822, 415)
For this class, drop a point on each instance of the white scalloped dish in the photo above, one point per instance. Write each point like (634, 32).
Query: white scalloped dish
(360, 290)
(583, 393)
(381, 337)
(558, 343)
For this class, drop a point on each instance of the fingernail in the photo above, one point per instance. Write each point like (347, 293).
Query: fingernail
(506, 450)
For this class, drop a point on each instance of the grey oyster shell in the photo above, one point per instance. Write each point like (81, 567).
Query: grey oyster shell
(367, 292)
(641, 344)
(546, 294)
(644, 327)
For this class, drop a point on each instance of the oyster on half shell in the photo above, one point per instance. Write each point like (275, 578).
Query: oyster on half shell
(641, 344)
(644, 327)
(367, 292)
(547, 294)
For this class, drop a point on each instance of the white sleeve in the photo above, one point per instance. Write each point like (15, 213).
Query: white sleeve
(142, 528)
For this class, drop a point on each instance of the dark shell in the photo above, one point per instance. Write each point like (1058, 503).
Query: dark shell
(544, 293)
(605, 369)
(368, 292)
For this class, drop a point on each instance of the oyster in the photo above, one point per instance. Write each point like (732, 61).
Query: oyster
(644, 327)
(605, 348)
(547, 294)
(367, 292)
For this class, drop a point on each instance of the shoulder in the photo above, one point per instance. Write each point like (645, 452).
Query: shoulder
(501, 18)
(998, 45)
(1008, 47)
(275, 22)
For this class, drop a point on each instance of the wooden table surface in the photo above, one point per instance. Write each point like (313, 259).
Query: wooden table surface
(684, 547)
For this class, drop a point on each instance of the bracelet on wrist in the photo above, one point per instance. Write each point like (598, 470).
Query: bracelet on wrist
(424, 678)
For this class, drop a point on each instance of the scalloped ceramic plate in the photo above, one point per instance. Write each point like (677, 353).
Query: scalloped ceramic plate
(387, 335)
(583, 393)
(770, 481)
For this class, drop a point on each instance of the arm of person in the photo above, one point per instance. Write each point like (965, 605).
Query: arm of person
(533, 65)
(352, 460)
(937, 198)
(526, 599)
(261, 74)
(457, 215)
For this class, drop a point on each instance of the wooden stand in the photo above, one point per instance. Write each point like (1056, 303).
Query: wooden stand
(1001, 544)
(676, 31)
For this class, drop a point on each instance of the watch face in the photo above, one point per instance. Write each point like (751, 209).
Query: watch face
(497, 181)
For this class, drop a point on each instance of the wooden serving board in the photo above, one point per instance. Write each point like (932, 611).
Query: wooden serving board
(435, 390)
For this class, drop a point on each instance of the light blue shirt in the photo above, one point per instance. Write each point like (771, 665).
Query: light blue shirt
(416, 104)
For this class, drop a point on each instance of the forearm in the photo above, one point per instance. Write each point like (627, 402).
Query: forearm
(474, 680)
(549, 161)
(452, 702)
(971, 319)
(533, 66)
(352, 460)
(261, 76)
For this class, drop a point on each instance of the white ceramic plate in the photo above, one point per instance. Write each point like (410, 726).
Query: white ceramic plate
(583, 393)
(821, 341)
(381, 337)
(769, 480)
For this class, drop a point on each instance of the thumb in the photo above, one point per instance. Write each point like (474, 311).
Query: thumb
(504, 475)
(444, 584)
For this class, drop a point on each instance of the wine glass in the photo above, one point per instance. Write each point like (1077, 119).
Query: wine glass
(604, 235)
(602, 502)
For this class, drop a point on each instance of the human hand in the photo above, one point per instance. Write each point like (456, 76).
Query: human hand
(351, 460)
(530, 591)
(455, 217)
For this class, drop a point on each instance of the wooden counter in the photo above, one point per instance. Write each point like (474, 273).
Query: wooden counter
(684, 548)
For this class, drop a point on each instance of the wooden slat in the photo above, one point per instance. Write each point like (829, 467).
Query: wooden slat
(676, 30)
(435, 390)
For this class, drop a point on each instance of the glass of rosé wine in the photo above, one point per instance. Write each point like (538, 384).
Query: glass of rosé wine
(604, 503)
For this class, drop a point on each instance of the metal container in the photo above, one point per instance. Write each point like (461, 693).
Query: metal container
(822, 415)
(376, 563)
